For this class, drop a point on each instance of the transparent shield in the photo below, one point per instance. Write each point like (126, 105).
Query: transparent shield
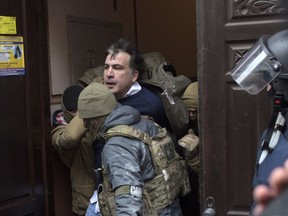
(255, 70)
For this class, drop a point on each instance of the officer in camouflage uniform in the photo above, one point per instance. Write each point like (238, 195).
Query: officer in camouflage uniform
(127, 161)
(191, 203)
(74, 145)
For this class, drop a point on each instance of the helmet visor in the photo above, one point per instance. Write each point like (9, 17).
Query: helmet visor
(255, 70)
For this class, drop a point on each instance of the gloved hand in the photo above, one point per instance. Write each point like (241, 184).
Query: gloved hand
(190, 141)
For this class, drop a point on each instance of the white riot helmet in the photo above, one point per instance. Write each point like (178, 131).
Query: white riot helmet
(266, 60)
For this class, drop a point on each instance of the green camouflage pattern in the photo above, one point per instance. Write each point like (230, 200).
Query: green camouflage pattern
(170, 182)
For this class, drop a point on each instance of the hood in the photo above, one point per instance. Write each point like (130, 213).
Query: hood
(121, 114)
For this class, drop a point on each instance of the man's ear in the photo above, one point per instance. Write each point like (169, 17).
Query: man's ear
(135, 75)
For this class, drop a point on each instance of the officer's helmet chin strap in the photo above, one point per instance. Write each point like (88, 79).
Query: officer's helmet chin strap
(276, 126)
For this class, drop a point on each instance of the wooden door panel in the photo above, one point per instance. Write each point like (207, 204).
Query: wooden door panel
(231, 120)
(243, 131)
(25, 127)
(17, 194)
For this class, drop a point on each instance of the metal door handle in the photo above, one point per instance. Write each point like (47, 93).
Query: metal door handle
(210, 209)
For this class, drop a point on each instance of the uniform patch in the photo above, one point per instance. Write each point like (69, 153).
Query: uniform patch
(136, 191)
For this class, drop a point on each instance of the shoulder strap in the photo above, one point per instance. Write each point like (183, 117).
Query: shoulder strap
(277, 107)
(128, 131)
(276, 126)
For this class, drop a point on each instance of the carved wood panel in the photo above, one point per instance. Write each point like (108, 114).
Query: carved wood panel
(258, 7)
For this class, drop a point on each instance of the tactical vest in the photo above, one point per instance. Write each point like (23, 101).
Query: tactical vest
(170, 182)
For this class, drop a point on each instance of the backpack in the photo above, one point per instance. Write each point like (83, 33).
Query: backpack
(171, 178)
(159, 78)
(91, 75)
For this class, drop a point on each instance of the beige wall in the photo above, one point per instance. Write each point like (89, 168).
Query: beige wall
(58, 10)
(169, 27)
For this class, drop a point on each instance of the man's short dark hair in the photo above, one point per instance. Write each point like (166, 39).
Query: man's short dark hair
(123, 45)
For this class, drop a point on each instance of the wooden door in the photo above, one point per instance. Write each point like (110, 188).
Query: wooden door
(24, 113)
(231, 120)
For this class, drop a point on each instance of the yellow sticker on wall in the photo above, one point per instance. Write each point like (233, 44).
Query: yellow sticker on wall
(8, 25)
(11, 56)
